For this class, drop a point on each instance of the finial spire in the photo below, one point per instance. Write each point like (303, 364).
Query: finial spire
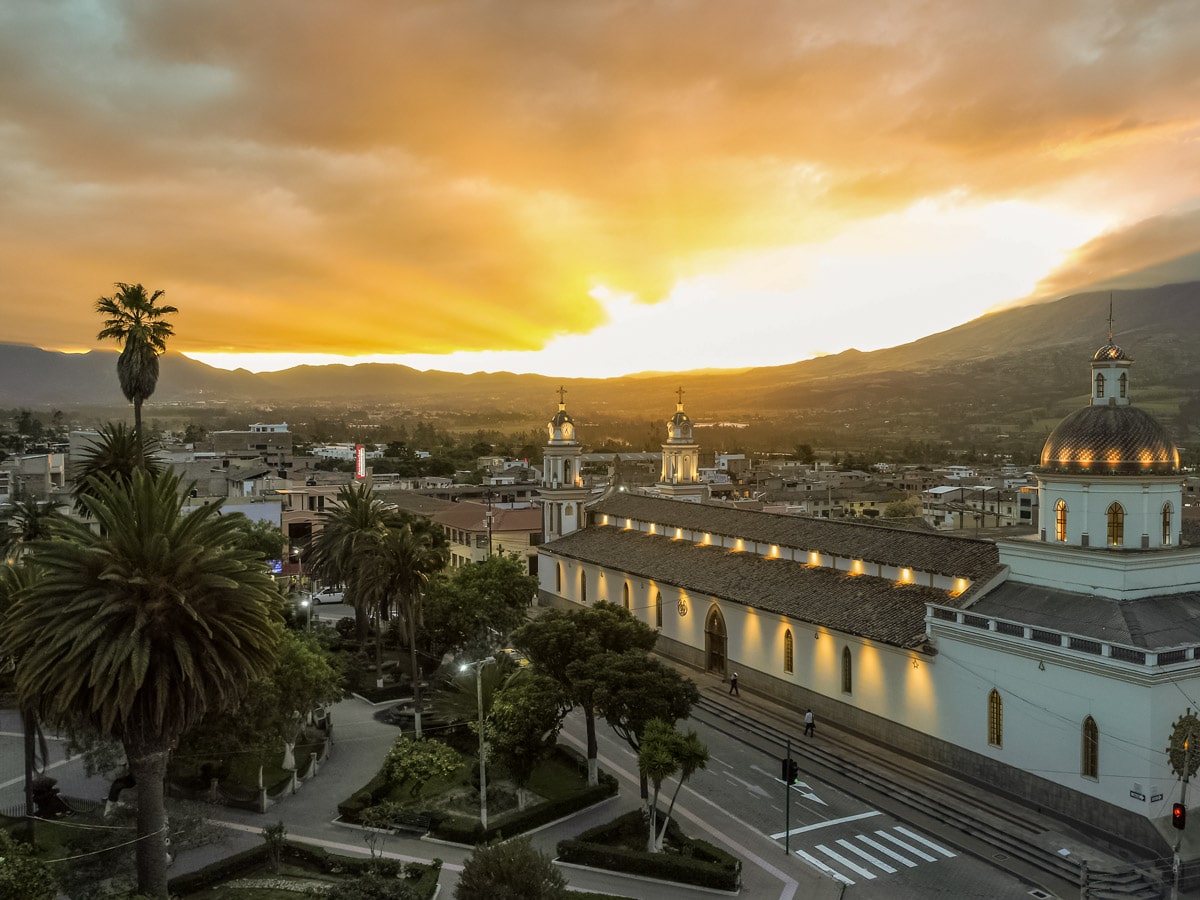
(562, 392)
(679, 391)
(1110, 317)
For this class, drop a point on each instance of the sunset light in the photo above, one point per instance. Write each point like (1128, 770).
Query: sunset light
(589, 190)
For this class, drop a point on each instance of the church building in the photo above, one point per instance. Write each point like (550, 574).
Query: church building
(1058, 667)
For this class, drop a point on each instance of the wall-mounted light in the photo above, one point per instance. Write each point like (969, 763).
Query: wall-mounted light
(816, 635)
(916, 663)
(1041, 666)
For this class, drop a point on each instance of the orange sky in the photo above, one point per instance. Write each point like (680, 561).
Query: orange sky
(584, 188)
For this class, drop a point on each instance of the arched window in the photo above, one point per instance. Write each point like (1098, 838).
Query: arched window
(1099, 384)
(1060, 520)
(1124, 382)
(625, 592)
(995, 719)
(1116, 525)
(847, 675)
(582, 586)
(658, 610)
(558, 578)
(1166, 523)
(789, 647)
(1090, 764)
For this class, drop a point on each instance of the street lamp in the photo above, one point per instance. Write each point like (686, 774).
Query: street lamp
(307, 605)
(478, 667)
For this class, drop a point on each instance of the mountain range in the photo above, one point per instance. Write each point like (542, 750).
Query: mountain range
(1014, 371)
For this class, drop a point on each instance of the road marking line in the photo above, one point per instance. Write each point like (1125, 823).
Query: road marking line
(824, 868)
(752, 788)
(21, 780)
(854, 867)
(899, 843)
(928, 843)
(887, 851)
(867, 856)
(826, 824)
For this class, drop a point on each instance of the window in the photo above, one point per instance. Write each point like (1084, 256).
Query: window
(1116, 525)
(658, 610)
(1090, 764)
(625, 592)
(583, 587)
(1124, 382)
(847, 676)
(995, 719)
(1060, 520)
(789, 646)
(1166, 523)
(558, 578)
(1099, 384)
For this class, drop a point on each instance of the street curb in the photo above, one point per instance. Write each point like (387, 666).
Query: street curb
(647, 880)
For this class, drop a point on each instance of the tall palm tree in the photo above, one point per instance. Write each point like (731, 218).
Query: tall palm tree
(354, 526)
(116, 452)
(136, 323)
(397, 567)
(139, 628)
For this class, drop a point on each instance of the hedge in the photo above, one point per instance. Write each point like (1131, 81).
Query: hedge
(696, 862)
(425, 880)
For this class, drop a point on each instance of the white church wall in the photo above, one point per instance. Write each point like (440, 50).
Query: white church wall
(1108, 574)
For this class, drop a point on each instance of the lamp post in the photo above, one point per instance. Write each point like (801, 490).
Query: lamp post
(307, 605)
(478, 667)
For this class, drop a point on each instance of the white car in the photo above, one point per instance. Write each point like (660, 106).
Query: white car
(330, 594)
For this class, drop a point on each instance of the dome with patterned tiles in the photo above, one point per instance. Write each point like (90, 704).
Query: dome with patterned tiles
(1110, 440)
(1110, 351)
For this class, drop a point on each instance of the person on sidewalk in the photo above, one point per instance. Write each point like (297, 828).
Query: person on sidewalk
(810, 726)
(733, 688)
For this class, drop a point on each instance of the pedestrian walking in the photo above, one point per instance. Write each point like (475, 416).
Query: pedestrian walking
(733, 688)
(810, 726)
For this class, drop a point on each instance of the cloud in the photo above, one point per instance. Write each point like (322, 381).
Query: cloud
(432, 177)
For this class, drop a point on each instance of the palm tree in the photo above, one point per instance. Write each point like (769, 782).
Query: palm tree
(136, 323)
(353, 527)
(140, 627)
(116, 452)
(397, 567)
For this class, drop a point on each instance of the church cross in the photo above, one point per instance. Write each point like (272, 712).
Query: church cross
(1110, 317)
(561, 395)
(680, 393)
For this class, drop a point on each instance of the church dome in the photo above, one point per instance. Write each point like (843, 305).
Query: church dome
(1110, 440)
(1110, 351)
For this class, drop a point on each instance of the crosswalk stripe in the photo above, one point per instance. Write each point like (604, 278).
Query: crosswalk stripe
(928, 843)
(913, 850)
(824, 868)
(865, 873)
(887, 851)
(867, 856)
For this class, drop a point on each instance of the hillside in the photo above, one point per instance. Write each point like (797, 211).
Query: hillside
(1013, 372)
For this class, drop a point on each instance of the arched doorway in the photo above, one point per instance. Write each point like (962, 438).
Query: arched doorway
(714, 641)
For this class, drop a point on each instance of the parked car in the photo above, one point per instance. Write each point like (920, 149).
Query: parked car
(329, 594)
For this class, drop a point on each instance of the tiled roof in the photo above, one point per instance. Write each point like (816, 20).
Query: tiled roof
(473, 517)
(957, 557)
(870, 607)
(1152, 623)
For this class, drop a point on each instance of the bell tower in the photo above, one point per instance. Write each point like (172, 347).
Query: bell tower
(563, 493)
(680, 475)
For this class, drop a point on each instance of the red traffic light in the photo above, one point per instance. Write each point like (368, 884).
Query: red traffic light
(1179, 815)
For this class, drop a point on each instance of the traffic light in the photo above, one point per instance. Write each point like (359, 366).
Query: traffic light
(790, 771)
(1179, 815)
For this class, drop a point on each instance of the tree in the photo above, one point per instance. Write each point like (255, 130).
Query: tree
(138, 628)
(512, 870)
(480, 598)
(568, 644)
(115, 453)
(634, 689)
(356, 522)
(136, 322)
(260, 536)
(899, 509)
(664, 752)
(416, 761)
(397, 565)
(527, 714)
(21, 873)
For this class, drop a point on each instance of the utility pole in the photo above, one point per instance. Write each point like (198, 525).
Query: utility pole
(787, 803)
